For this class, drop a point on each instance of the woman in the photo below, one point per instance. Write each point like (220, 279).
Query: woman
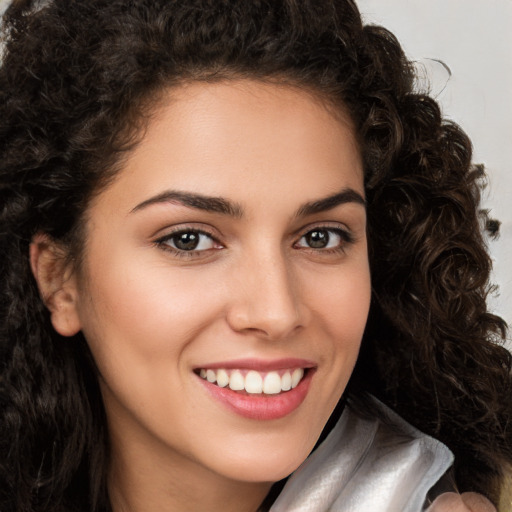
(193, 195)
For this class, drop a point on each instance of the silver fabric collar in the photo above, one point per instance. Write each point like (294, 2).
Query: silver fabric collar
(381, 464)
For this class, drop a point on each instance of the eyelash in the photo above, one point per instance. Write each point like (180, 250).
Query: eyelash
(163, 242)
(346, 238)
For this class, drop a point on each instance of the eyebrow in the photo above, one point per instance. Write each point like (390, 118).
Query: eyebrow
(229, 208)
(197, 201)
(347, 195)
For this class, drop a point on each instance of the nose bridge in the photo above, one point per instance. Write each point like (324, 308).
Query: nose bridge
(266, 299)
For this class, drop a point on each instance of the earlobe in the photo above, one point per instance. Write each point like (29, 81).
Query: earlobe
(57, 284)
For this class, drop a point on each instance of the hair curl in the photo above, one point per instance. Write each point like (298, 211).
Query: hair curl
(77, 82)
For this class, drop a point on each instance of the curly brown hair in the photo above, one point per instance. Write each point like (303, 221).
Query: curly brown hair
(77, 81)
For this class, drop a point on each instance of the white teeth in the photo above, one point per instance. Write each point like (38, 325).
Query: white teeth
(222, 378)
(236, 381)
(253, 382)
(271, 383)
(296, 376)
(286, 382)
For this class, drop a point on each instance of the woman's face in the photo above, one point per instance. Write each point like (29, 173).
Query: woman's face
(231, 247)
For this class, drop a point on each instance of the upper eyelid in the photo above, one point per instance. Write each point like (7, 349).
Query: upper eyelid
(162, 240)
(347, 235)
(328, 225)
(165, 233)
(170, 234)
(173, 230)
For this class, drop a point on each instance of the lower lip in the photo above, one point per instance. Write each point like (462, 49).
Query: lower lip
(261, 407)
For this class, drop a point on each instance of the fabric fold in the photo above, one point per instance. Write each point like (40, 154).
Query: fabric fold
(379, 463)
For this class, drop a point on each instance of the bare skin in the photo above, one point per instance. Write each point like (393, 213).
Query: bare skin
(465, 502)
(257, 286)
(269, 183)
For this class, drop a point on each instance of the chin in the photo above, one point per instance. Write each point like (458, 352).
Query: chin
(264, 465)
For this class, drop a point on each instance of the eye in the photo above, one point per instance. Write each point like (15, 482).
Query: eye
(188, 240)
(325, 238)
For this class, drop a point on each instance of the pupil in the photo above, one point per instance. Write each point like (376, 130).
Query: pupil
(186, 241)
(317, 239)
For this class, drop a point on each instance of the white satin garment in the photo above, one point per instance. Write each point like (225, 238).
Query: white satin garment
(381, 464)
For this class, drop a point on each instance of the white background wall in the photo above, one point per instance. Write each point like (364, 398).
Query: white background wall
(474, 38)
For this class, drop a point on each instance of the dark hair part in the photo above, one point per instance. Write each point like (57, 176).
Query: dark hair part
(77, 82)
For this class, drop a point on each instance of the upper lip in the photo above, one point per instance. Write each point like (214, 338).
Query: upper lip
(261, 365)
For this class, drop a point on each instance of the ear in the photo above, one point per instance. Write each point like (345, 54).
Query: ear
(56, 282)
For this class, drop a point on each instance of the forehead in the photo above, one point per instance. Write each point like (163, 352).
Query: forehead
(239, 134)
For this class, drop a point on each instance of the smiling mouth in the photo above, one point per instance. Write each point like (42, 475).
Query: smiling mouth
(253, 382)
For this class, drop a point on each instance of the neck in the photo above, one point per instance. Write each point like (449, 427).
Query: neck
(138, 484)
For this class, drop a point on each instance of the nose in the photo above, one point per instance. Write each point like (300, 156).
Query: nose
(265, 298)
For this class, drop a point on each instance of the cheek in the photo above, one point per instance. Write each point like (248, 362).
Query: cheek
(140, 319)
(341, 301)
(341, 307)
(146, 308)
